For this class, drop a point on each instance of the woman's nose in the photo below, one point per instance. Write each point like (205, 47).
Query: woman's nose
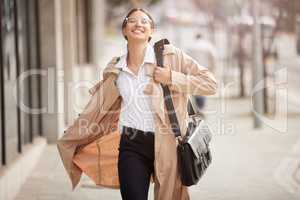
(138, 23)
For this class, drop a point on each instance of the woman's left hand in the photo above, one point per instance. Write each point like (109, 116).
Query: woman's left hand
(162, 75)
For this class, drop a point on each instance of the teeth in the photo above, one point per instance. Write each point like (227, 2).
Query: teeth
(137, 31)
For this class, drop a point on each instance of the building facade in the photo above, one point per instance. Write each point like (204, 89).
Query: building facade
(42, 42)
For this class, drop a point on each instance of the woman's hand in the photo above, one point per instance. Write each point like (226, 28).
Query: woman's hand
(162, 75)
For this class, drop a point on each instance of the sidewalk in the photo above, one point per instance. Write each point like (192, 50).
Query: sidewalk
(251, 164)
(247, 164)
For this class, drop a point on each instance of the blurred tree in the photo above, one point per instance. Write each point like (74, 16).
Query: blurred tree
(131, 3)
(241, 56)
(283, 13)
(114, 7)
(223, 11)
(287, 8)
(297, 7)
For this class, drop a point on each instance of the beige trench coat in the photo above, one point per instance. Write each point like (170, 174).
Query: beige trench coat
(188, 78)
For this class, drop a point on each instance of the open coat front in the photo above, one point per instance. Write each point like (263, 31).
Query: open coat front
(100, 118)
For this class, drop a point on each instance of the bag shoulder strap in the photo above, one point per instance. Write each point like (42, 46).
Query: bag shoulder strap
(158, 48)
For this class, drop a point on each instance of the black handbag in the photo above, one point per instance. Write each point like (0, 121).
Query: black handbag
(193, 152)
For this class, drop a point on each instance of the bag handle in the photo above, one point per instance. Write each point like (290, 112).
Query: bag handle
(158, 49)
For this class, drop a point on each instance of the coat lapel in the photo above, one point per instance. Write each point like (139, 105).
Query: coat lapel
(153, 89)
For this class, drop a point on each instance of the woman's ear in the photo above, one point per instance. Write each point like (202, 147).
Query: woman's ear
(151, 35)
(152, 31)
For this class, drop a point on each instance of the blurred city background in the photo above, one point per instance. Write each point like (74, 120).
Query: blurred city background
(53, 51)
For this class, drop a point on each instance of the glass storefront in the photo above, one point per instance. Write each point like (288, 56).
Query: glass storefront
(28, 54)
(1, 96)
(10, 119)
(19, 53)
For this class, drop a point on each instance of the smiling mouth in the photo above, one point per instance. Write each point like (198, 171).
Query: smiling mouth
(138, 31)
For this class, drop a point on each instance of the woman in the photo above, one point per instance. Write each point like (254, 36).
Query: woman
(131, 89)
(136, 156)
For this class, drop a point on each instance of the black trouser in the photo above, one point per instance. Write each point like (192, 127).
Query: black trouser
(136, 163)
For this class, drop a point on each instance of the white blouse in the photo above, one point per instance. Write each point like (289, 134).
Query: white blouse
(136, 109)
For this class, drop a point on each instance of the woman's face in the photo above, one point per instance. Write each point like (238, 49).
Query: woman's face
(138, 27)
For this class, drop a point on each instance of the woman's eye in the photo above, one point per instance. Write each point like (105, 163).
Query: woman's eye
(132, 21)
(146, 21)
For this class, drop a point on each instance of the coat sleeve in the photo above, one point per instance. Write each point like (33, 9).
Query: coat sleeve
(191, 78)
(93, 89)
